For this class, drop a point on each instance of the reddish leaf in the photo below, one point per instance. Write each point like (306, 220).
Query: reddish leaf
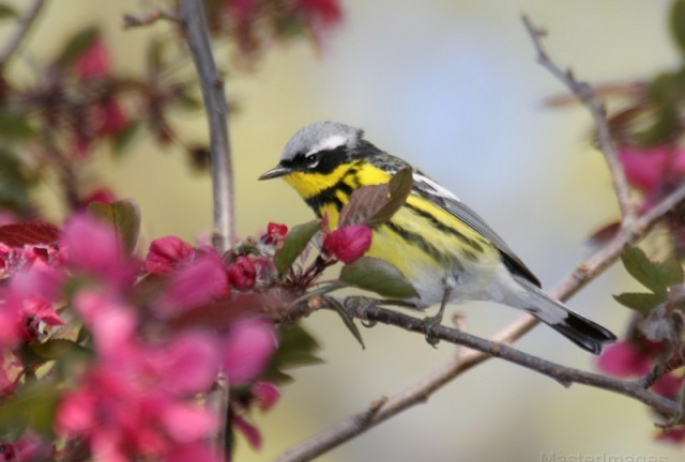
(31, 233)
(374, 205)
(604, 234)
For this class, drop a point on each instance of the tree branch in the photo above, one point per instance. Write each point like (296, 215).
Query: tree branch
(24, 26)
(192, 15)
(482, 350)
(194, 22)
(585, 93)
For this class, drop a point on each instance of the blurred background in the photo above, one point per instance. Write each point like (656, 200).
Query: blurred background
(453, 87)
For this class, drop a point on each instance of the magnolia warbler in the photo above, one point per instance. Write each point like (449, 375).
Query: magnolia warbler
(441, 246)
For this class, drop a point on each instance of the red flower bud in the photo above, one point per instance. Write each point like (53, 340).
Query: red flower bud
(349, 243)
(241, 273)
(275, 233)
(165, 253)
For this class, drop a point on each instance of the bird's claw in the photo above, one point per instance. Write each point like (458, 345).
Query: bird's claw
(430, 324)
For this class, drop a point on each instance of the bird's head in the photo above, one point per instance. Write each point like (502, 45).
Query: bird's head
(317, 156)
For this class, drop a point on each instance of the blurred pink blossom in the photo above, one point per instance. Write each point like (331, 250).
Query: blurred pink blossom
(248, 350)
(202, 281)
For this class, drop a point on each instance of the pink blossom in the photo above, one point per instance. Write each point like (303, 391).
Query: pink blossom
(112, 323)
(94, 63)
(92, 247)
(28, 303)
(647, 169)
(624, 359)
(266, 394)
(139, 402)
(194, 452)
(190, 361)
(242, 273)
(349, 243)
(166, 253)
(197, 284)
(251, 433)
(187, 422)
(248, 350)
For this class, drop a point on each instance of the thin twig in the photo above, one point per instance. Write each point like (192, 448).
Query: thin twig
(145, 19)
(192, 15)
(585, 93)
(24, 26)
(586, 271)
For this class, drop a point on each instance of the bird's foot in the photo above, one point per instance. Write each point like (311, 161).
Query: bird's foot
(431, 323)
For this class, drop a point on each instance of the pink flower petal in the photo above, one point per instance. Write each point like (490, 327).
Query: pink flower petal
(186, 423)
(197, 284)
(92, 247)
(266, 393)
(190, 363)
(193, 452)
(76, 413)
(112, 324)
(623, 359)
(165, 253)
(248, 350)
(254, 438)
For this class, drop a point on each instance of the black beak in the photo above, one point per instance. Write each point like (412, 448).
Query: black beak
(275, 172)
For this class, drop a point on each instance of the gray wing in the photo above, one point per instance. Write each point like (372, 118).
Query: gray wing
(432, 191)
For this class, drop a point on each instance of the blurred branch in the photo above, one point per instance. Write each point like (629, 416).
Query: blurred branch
(483, 350)
(145, 19)
(25, 24)
(585, 93)
(195, 26)
(192, 15)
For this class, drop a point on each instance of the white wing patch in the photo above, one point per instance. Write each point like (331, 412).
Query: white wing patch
(328, 143)
(433, 186)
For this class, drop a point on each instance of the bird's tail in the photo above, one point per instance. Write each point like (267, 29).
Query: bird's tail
(586, 334)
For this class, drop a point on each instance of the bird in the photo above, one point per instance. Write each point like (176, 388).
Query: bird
(445, 249)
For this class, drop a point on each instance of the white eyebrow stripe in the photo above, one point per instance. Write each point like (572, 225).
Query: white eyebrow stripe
(328, 143)
(438, 189)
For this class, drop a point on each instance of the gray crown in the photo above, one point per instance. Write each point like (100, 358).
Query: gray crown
(308, 138)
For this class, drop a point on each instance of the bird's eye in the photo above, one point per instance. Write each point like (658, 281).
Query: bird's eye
(312, 160)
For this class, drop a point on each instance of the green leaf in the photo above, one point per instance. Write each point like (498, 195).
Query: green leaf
(15, 127)
(7, 12)
(296, 347)
(123, 139)
(77, 45)
(59, 348)
(295, 242)
(656, 276)
(375, 205)
(347, 320)
(123, 216)
(640, 302)
(33, 405)
(677, 24)
(378, 276)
